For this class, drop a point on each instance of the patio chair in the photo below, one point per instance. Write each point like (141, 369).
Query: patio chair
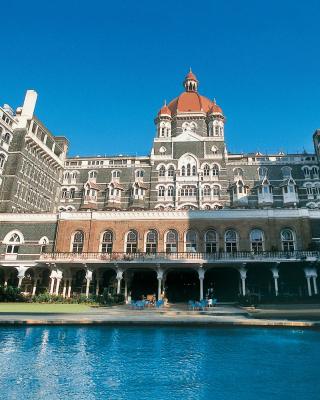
(159, 303)
(202, 305)
(191, 305)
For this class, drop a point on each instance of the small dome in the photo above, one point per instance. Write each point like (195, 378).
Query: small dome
(215, 109)
(165, 110)
(191, 76)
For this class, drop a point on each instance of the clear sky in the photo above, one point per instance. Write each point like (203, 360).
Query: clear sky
(103, 68)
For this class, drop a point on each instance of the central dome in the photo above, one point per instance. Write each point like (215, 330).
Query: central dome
(191, 100)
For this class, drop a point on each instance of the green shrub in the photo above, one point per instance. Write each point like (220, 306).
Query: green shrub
(11, 294)
(109, 299)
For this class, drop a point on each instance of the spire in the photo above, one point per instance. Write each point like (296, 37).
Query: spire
(190, 82)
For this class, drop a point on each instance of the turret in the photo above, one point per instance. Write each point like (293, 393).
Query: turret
(163, 122)
(216, 121)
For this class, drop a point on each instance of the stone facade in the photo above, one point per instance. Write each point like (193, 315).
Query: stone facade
(190, 168)
(190, 213)
(31, 175)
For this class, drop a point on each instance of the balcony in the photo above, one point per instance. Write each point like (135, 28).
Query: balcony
(182, 257)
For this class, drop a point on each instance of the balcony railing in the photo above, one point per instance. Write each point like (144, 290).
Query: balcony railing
(183, 256)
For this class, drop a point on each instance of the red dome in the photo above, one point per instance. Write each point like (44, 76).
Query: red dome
(192, 76)
(164, 110)
(215, 108)
(192, 102)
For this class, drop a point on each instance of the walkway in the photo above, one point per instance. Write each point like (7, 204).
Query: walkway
(175, 315)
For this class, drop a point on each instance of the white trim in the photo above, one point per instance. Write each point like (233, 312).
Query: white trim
(44, 238)
(8, 236)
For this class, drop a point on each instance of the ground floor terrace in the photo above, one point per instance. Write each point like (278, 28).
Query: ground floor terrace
(178, 279)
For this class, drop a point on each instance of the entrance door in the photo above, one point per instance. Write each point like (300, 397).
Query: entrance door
(224, 282)
(143, 283)
(182, 286)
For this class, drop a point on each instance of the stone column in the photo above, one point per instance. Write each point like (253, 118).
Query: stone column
(35, 282)
(119, 279)
(57, 286)
(125, 288)
(98, 278)
(64, 288)
(201, 273)
(51, 285)
(314, 280)
(6, 278)
(89, 279)
(69, 288)
(21, 274)
(159, 277)
(275, 274)
(243, 276)
(309, 272)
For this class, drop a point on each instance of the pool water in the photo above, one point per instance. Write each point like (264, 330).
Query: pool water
(154, 363)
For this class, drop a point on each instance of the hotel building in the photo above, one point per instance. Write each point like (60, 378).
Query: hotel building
(188, 217)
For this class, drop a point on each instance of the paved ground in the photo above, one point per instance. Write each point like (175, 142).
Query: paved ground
(222, 315)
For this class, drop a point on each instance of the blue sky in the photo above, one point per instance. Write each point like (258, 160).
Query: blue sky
(102, 69)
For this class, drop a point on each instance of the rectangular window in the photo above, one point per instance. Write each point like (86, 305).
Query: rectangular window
(106, 248)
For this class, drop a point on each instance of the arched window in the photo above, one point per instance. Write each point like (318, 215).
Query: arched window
(107, 242)
(188, 169)
(288, 240)
(170, 191)
(306, 172)
(162, 171)
(315, 172)
(206, 170)
(2, 160)
(140, 173)
(92, 174)
(257, 240)
(77, 244)
(216, 190)
(206, 190)
(132, 242)
(171, 170)
(262, 172)
(214, 150)
(194, 170)
(309, 189)
(238, 172)
(151, 242)
(191, 242)
(231, 241)
(44, 241)
(66, 176)
(211, 241)
(116, 174)
(13, 244)
(183, 170)
(7, 138)
(64, 193)
(286, 172)
(172, 241)
(161, 191)
(215, 170)
(72, 193)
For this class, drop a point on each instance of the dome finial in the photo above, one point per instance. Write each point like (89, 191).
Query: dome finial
(191, 82)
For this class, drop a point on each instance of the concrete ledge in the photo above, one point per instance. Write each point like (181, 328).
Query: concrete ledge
(165, 322)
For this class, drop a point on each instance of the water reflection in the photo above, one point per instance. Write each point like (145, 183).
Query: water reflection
(158, 363)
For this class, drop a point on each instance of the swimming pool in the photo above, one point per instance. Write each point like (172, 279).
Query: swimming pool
(67, 362)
